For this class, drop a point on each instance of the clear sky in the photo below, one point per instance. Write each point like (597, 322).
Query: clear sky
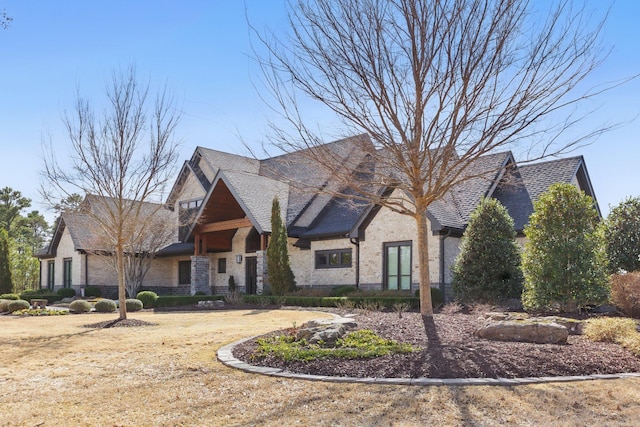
(201, 49)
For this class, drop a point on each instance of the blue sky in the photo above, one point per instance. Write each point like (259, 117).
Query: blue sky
(201, 49)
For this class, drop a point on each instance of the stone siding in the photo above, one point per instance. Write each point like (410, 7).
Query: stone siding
(200, 275)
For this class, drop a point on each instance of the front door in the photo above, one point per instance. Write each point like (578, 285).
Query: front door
(251, 274)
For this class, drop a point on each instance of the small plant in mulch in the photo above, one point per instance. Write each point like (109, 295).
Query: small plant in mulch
(40, 312)
(362, 344)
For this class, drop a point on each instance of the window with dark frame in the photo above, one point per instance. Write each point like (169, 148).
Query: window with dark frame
(397, 265)
(334, 258)
(51, 274)
(66, 273)
(222, 265)
(184, 272)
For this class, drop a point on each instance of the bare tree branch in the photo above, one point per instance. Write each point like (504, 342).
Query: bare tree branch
(120, 159)
(437, 85)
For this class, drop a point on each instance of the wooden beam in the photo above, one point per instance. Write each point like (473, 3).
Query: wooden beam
(225, 225)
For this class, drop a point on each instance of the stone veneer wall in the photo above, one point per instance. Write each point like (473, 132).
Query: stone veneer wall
(200, 275)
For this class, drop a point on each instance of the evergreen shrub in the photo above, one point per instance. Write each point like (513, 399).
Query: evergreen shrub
(622, 236)
(487, 269)
(66, 292)
(12, 297)
(105, 306)
(133, 304)
(79, 306)
(92, 292)
(564, 261)
(16, 305)
(148, 298)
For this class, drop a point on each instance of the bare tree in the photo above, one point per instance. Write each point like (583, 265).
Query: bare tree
(125, 157)
(436, 84)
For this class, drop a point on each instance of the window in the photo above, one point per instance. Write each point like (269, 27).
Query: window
(191, 204)
(66, 273)
(397, 265)
(51, 274)
(184, 272)
(336, 258)
(222, 265)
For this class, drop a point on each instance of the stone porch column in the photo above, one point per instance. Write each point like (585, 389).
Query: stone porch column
(262, 282)
(200, 275)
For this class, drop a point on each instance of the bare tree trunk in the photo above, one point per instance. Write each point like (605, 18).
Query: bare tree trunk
(122, 295)
(426, 305)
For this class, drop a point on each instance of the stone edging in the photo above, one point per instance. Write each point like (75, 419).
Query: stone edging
(225, 355)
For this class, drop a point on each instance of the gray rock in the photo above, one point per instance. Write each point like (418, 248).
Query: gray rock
(524, 331)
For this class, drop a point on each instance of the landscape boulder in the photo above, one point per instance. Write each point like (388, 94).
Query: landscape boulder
(524, 330)
(326, 331)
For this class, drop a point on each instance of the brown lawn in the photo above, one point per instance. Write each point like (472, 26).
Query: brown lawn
(55, 372)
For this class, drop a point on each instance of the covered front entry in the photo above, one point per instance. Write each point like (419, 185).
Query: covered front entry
(217, 235)
(251, 275)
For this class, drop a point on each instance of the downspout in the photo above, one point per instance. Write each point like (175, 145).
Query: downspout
(442, 262)
(86, 269)
(356, 242)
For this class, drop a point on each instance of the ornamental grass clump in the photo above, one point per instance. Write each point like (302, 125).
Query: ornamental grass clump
(105, 306)
(616, 330)
(133, 304)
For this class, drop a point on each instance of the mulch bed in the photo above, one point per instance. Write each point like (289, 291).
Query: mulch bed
(456, 353)
(117, 323)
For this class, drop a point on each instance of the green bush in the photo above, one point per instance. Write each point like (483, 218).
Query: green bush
(281, 278)
(16, 305)
(625, 293)
(4, 305)
(564, 262)
(133, 304)
(148, 298)
(66, 292)
(487, 269)
(340, 291)
(12, 297)
(180, 300)
(50, 297)
(437, 297)
(105, 306)
(92, 292)
(79, 306)
(622, 236)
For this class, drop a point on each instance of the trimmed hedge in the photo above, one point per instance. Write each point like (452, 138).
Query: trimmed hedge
(92, 291)
(16, 305)
(385, 301)
(148, 298)
(66, 292)
(12, 297)
(178, 300)
(105, 306)
(79, 306)
(49, 296)
(4, 305)
(133, 304)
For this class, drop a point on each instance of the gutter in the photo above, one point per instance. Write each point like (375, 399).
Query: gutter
(442, 260)
(356, 242)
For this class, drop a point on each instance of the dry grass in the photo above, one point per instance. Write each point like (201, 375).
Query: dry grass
(54, 372)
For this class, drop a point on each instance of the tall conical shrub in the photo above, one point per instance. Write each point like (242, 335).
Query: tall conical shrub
(6, 284)
(487, 268)
(280, 276)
